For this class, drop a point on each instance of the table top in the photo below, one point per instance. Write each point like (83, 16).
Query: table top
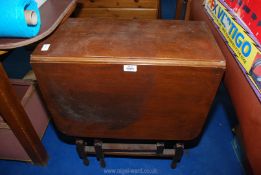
(153, 41)
(52, 14)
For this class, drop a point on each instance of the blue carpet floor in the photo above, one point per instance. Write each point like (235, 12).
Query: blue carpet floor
(213, 155)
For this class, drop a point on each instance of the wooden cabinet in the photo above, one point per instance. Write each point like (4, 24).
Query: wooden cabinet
(129, 79)
(129, 9)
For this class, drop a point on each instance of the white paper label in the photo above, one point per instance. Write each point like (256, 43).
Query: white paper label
(130, 68)
(45, 47)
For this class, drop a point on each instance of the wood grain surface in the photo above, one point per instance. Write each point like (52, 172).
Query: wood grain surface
(119, 3)
(132, 41)
(122, 13)
(124, 9)
(10, 106)
(15, 116)
(81, 76)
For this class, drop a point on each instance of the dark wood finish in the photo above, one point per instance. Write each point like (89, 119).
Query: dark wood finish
(122, 13)
(119, 3)
(89, 95)
(179, 150)
(188, 9)
(16, 118)
(183, 9)
(123, 9)
(179, 6)
(246, 103)
(99, 152)
(11, 110)
(132, 149)
(102, 149)
(52, 13)
(81, 148)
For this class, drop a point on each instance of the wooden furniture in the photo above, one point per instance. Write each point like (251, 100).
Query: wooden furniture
(16, 118)
(10, 147)
(122, 148)
(179, 8)
(246, 103)
(183, 9)
(128, 9)
(53, 12)
(129, 79)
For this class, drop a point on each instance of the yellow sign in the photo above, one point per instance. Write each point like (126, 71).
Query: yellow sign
(244, 47)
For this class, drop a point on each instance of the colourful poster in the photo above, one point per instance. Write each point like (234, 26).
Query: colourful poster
(240, 40)
(249, 11)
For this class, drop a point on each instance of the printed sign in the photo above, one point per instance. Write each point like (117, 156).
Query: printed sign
(242, 46)
(249, 11)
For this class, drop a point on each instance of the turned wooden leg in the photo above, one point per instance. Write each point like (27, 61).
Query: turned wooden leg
(15, 116)
(179, 149)
(160, 148)
(188, 9)
(179, 5)
(99, 152)
(81, 147)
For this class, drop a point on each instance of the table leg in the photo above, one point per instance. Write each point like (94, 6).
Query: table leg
(81, 148)
(188, 9)
(99, 152)
(15, 116)
(179, 150)
(179, 5)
